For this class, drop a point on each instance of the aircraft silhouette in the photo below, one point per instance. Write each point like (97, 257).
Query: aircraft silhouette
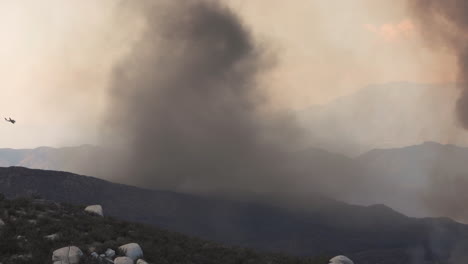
(10, 120)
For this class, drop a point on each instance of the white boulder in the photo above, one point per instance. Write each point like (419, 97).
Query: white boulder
(110, 253)
(140, 261)
(132, 250)
(123, 260)
(67, 255)
(341, 260)
(2, 223)
(94, 209)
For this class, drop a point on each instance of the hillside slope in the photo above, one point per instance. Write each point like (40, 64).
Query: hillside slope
(33, 228)
(367, 234)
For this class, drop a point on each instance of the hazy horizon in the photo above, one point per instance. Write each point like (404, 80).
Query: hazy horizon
(346, 103)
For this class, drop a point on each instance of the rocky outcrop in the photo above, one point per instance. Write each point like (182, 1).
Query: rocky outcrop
(132, 250)
(341, 260)
(94, 209)
(67, 255)
(128, 254)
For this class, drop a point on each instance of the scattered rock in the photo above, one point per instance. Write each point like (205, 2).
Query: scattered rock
(94, 255)
(140, 261)
(94, 209)
(123, 260)
(341, 260)
(51, 237)
(67, 255)
(110, 253)
(2, 223)
(132, 250)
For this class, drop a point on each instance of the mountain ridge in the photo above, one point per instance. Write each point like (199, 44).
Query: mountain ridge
(353, 124)
(430, 177)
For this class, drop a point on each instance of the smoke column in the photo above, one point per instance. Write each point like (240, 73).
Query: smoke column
(186, 109)
(445, 24)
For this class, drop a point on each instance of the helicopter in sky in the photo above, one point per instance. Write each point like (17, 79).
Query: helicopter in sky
(10, 120)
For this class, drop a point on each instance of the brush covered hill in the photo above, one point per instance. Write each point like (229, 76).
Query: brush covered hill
(33, 228)
(372, 234)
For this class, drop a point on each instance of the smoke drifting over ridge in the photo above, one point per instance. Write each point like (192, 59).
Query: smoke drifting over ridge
(186, 108)
(445, 24)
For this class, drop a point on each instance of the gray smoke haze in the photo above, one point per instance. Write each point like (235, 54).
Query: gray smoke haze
(187, 114)
(445, 24)
(186, 108)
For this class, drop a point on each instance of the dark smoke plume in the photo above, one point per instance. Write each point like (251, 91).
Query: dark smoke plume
(187, 110)
(445, 24)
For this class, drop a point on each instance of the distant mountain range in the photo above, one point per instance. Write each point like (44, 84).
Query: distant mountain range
(421, 180)
(430, 176)
(67, 158)
(87, 160)
(373, 234)
(385, 116)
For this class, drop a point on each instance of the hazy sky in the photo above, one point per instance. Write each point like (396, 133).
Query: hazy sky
(57, 57)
